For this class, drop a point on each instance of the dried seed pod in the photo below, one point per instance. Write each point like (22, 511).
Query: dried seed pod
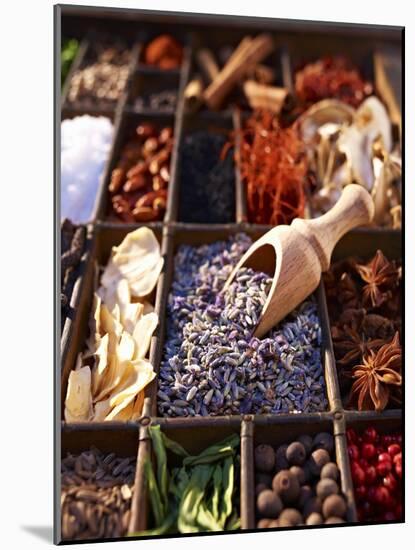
(269, 504)
(290, 517)
(314, 519)
(318, 459)
(150, 146)
(139, 169)
(326, 487)
(264, 458)
(145, 131)
(117, 178)
(287, 486)
(166, 134)
(334, 505)
(330, 471)
(144, 214)
(295, 453)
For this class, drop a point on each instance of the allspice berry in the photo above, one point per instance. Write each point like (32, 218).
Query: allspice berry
(318, 459)
(269, 504)
(312, 505)
(326, 487)
(334, 505)
(334, 519)
(263, 523)
(260, 487)
(273, 524)
(330, 471)
(290, 517)
(314, 519)
(299, 474)
(305, 493)
(324, 441)
(296, 454)
(307, 442)
(264, 458)
(281, 462)
(286, 485)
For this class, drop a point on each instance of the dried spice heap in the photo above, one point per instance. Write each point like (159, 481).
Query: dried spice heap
(96, 495)
(103, 78)
(72, 248)
(207, 180)
(157, 101)
(139, 182)
(331, 77)
(376, 467)
(346, 145)
(273, 168)
(212, 364)
(111, 374)
(364, 303)
(164, 52)
(298, 483)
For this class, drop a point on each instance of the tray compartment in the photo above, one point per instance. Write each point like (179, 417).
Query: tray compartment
(276, 430)
(105, 239)
(362, 244)
(119, 438)
(196, 235)
(211, 431)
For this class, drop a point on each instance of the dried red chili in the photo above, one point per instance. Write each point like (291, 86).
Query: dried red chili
(331, 77)
(273, 166)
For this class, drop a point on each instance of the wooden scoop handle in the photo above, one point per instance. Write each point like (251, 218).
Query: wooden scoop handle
(354, 208)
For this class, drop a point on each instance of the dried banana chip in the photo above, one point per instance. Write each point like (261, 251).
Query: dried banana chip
(78, 403)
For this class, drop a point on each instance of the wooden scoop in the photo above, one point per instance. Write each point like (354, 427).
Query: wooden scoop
(295, 255)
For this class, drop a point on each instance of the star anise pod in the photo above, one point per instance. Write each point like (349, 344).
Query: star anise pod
(347, 293)
(373, 379)
(350, 345)
(380, 276)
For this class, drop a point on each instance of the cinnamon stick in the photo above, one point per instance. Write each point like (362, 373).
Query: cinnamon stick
(248, 53)
(265, 97)
(207, 64)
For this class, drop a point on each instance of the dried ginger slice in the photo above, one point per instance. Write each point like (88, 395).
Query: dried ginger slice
(78, 402)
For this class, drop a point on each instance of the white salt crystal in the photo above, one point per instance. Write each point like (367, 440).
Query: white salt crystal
(85, 145)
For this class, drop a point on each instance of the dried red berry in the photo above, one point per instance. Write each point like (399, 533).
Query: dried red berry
(383, 468)
(385, 457)
(390, 482)
(394, 449)
(371, 475)
(353, 452)
(370, 435)
(368, 451)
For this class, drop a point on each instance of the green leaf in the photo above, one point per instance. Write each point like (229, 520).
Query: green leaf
(228, 483)
(164, 528)
(173, 446)
(217, 485)
(161, 458)
(192, 497)
(153, 490)
(206, 519)
(215, 452)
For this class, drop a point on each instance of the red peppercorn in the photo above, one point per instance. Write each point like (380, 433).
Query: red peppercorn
(390, 482)
(371, 475)
(371, 494)
(384, 457)
(397, 459)
(370, 435)
(368, 450)
(394, 449)
(382, 496)
(383, 468)
(358, 475)
(351, 436)
(361, 492)
(398, 470)
(353, 452)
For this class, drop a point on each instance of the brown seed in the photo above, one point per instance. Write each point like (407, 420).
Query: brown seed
(324, 441)
(117, 178)
(260, 487)
(315, 519)
(264, 458)
(326, 487)
(318, 459)
(263, 523)
(287, 486)
(150, 146)
(307, 442)
(138, 169)
(334, 505)
(290, 517)
(330, 471)
(305, 493)
(165, 173)
(281, 462)
(158, 183)
(269, 504)
(334, 519)
(135, 183)
(165, 135)
(299, 474)
(274, 523)
(312, 505)
(296, 453)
